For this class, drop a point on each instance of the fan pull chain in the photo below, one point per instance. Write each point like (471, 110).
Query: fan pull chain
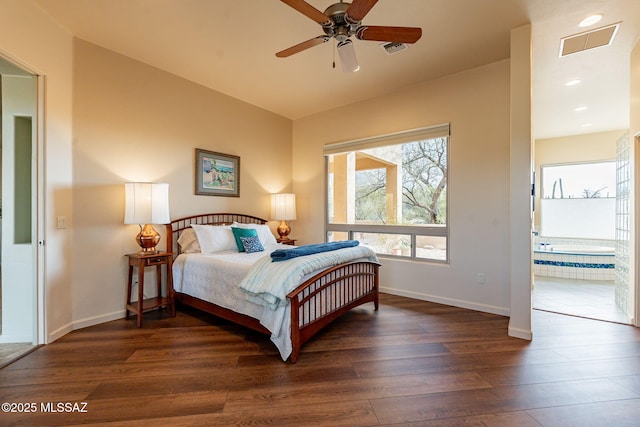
(334, 53)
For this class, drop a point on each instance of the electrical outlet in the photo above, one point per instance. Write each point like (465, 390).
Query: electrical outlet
(480, 279)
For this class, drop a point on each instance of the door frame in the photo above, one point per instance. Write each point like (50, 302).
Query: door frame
(40, 333)
(40, 307)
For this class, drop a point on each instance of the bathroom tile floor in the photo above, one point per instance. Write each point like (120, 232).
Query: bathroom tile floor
(590, 299)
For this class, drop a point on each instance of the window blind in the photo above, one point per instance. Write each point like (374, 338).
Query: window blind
(412, 135)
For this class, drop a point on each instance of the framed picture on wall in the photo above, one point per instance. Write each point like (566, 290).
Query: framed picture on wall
(217, 174)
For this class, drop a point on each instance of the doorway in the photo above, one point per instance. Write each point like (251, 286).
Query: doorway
(18, 208)
(583, 224)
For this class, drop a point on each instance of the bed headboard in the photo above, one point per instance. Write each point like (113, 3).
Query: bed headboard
(177, 226)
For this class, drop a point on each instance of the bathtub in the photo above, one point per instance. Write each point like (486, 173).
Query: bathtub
(580, 262)
(581, 249)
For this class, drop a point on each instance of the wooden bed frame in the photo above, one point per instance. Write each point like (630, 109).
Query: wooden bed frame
(314, 304)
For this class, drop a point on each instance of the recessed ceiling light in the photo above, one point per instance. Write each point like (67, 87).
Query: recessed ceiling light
(590, 20)
(586, 125)
(580, 109)
(573, 82)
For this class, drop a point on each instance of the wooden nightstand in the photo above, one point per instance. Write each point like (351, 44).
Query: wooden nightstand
(142, 305)
(291, 242)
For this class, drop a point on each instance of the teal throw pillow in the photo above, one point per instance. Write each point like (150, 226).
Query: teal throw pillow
(238, 233)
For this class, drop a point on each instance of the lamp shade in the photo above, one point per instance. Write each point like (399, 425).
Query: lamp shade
(146, 203)
(283, 206)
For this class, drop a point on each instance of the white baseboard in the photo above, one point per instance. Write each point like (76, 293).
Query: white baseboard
(84, 323)
(502, 311)
(521, 333)
(96, 320)
(58, 333)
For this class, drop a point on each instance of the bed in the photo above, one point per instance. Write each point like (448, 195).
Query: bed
(320, 298)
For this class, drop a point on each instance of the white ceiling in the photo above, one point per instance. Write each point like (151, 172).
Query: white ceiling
(230, 47)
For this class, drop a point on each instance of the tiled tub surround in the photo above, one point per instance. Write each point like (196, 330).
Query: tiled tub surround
(576, 263)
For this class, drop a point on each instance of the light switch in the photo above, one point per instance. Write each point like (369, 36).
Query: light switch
(62, 222)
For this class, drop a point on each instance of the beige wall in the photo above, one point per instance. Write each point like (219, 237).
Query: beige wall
(634, 119)
(34, 41)
(577, 148)
(572, 149)
(133, 122)
(476, 103)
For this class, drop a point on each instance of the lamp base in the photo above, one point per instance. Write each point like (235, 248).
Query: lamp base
(148, 239)
(284, 230)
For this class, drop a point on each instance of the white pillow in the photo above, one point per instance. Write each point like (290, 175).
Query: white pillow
(215, 238)
(188, 242)
(264, 232)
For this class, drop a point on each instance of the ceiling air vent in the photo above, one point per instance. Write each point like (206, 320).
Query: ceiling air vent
(393, 47)
(602, 36)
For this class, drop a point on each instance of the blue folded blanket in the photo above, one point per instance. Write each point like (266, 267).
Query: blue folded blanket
(285, 254)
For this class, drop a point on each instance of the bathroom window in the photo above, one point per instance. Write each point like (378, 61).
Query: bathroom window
(579, 200)
(390, 193)
(579, 180)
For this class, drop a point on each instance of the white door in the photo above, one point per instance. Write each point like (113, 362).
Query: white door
(18, 251)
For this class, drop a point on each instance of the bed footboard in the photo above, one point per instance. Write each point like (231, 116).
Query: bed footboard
(328, 295)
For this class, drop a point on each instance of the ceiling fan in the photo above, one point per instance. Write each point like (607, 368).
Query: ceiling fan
(343, 20)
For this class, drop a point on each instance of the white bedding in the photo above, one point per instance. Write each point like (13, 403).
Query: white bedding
(215, 278)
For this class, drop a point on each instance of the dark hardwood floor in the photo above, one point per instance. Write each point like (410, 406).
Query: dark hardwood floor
(412, 363)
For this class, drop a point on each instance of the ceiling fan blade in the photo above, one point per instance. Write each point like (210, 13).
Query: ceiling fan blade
(302, 46)
(389, 34)
(307, 10)
(359, 9)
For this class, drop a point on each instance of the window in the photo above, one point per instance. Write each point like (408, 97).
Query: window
(579, 200)
(390, 193)
(579, 180)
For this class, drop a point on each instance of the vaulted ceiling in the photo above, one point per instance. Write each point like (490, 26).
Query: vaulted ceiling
(230, 46)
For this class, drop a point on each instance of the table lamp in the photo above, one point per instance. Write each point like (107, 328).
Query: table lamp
(283, 208)
(145, 204)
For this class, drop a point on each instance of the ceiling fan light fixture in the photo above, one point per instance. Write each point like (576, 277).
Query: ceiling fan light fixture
(348, 57)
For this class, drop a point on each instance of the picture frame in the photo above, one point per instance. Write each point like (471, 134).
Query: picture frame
(217, 174)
